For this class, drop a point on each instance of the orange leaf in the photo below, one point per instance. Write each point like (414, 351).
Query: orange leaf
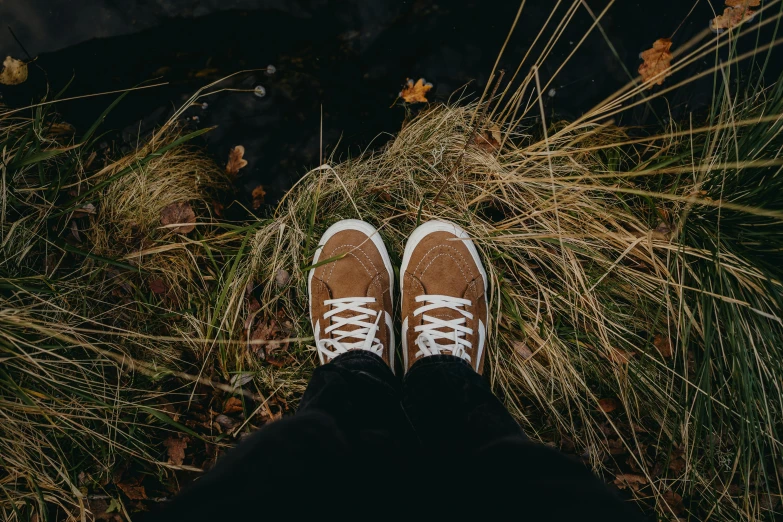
(657, 62)
(743, 3)
(630, 480)
(664, 345)
(674, 501)
(134, 491)
(415, 92)
(608, 405)
(181, 214)
(235, 160)
(176, 450)
(233, 405)
(258, 196)
(731, 17)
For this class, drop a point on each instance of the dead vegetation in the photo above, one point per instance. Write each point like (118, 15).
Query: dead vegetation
(635, 294)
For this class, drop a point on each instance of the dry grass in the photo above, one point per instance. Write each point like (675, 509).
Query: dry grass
(640, 269)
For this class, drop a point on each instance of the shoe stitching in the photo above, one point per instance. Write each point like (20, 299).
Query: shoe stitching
(456, 251)
(351, 252)
(467, 279)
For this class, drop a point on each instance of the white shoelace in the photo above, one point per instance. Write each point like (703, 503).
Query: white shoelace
(435, 329)
(332, 347)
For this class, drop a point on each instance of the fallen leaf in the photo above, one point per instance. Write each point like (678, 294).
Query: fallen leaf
(677, 464)
(203, 73)
(282, 277)
(61, 129)
(179, 213)
(415, 92)
(133, 490)
(608, 405)
(731, 17)
(630, 480)
(158, 286)
(176, 450)
(253, 305)
(743, 3)
(656, 62)
(226, 423)
(75, 231)
(86, 210)
(240, 379)
(664, 345)
(233, 405)
(236, 160)
(489, 140)
(618, 356)
(14, 71)
(258, 196)
(522, 350)
(616, 447)
(674, 501)
(218, 208)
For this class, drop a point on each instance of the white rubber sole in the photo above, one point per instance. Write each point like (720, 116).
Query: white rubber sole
(415, 238)
(375, 237)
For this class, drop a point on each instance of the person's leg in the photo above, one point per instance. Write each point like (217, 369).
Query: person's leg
(469, 441)
(347, 439)
(349, 424)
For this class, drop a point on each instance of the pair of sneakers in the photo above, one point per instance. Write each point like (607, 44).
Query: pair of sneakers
(442, 285)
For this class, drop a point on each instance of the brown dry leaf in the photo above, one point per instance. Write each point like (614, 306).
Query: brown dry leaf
(743, 3)
(14, 71)
(225, 423)
(61, 129)
(84, 211)
(677, 464)
(236, 160)
(664, 345)
(608, 405)
(158, 286)
(522, 349)
(630, 480)
(731, 17)
(203, 73)
(618, 356)
(133, 489)
(616, 447)
(233, 405)
(415, 92)
(489, 140)
(657, 62)
(179, 213)
(674, 501)
(258, 196)
(176, 450)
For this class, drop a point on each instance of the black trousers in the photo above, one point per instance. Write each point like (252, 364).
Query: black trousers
(366, 445)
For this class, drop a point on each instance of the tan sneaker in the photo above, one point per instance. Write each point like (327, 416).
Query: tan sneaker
(351, 297)
(444, 301)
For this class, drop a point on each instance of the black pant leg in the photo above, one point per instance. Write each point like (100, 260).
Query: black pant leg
(362, 394)
(542, 484)
(452, 408)
(471, 444)
(346, 439)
